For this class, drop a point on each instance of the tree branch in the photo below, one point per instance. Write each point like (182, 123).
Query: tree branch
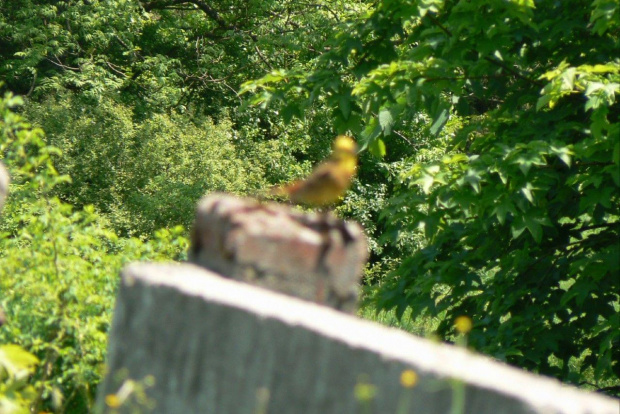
(595, 226)
(201, 5)
(508, 69)
(208, 10)
(489, 59)
(59, 63)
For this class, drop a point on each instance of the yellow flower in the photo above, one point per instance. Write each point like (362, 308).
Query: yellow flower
(408, 378)
(463, 324)
(364, 390)
(112, 401)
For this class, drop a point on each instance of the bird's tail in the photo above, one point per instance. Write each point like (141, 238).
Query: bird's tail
(270, 193)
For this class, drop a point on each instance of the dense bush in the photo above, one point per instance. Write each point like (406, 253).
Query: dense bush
(141, 96)
(141, 175)
(59, 270)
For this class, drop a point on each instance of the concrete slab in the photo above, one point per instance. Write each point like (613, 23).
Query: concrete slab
(215, 345)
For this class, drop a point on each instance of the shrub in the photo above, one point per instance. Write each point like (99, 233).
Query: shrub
(59, 270)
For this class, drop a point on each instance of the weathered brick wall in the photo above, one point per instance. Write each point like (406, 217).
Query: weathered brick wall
(313, 256)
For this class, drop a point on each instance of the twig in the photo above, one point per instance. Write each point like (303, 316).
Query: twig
(260, 55)
(438, 24)
(34, 79)
(59, 63)
(111, 66)
(511, 70)
(401, 135)
(595, 226)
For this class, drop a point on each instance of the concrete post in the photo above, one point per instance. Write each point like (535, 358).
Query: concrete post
(215, 345)
(313, 256)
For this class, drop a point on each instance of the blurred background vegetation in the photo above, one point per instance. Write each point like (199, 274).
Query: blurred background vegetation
(488, 181)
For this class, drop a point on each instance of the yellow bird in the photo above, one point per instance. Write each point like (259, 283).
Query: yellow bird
(329, 180)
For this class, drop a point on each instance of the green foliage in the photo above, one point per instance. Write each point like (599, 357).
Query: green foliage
(146, 175)
(161, 54)
(60, 270)
(520, 213)
(141, 98)
(16, 365)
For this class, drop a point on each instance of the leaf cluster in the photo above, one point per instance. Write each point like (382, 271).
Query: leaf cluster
(59, 271)
(520, 213)
(141, 98)
(16, 365)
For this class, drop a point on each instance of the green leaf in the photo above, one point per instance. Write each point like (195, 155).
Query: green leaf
(527, 192)
(502, 209)
(426, 181)
(455, 159)
(534, 228)
(16, 361)
(369, 134)
(386, 120)
(440, 121)
(473, 178)
(518, 227)
(377, 148)
(563, 153)
(289, 112)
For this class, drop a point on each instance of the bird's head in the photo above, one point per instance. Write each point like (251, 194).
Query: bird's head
(344, 144)
(345, 154)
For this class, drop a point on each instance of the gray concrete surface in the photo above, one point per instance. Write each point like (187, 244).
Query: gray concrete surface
(216, 345)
